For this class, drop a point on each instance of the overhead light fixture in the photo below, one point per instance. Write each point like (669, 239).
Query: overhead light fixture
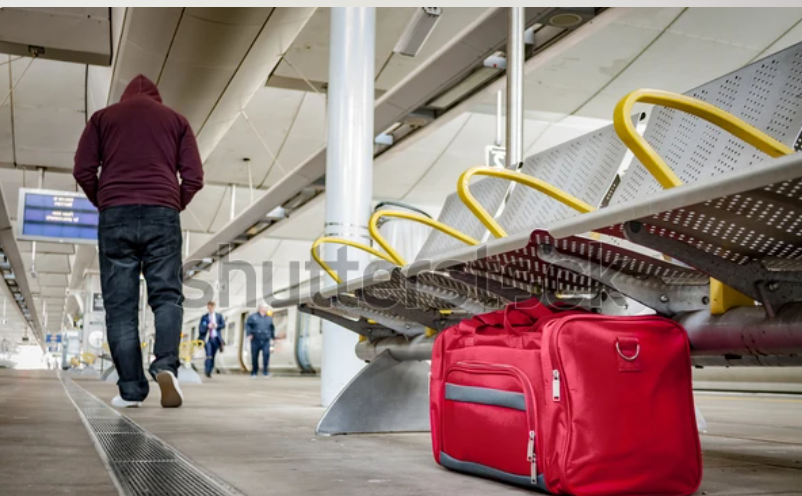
(566, 20)
(418, 30)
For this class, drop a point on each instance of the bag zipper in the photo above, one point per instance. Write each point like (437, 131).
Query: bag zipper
(529, 395)
(555, 385)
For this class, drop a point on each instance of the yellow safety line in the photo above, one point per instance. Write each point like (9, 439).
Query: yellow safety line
(722, 297)
(479, 211)
(726, 121)
(346, 242)
(373, 227)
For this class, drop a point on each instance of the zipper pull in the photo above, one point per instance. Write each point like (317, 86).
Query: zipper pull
(531, 457)
(555, 385)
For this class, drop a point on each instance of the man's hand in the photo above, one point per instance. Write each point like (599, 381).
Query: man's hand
(250, 337)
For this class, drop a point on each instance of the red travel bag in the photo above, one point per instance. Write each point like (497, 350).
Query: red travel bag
(567, 402)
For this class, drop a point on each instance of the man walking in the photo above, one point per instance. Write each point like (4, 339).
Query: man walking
(209, 331)
(139, 146)
(261, 332)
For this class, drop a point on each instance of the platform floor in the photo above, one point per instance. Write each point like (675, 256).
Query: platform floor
(258, 435)
(44, 447)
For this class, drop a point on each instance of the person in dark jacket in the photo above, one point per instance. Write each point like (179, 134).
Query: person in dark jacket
(210, 331)
(261, 331)
(128, 161)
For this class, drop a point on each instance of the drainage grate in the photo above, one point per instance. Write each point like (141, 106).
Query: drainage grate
(140, 463)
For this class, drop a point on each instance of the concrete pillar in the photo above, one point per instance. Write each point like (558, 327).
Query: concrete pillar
(349, 173)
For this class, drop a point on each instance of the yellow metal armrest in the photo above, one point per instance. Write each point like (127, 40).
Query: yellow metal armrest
(726, 121)
(346, 242)
(479, 211)
(373, 227)
(88, 358)
(722, 297)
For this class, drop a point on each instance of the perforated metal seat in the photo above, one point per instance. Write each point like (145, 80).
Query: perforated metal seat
(489, 191)
(594, 161)
(740, 228)
(431, 291)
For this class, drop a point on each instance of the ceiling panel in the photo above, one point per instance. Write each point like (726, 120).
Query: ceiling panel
(791, 37)
(59, 280)
(147, 38)
(396, 171)
(223, 215)
(650, 17)
(304, 223)
(54, 291)
(226, 164)
(745, 27)
(261, 60)
(47, 262)
(43, 247)
(190, 220)
(205, 205)
(272, 112)
(45, 137)
(48, 111)
(587, 67)
(673, 63)
(48, 83)
(205, 55)
(452, 22)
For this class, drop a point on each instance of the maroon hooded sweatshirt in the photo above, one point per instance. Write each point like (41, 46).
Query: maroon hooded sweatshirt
(139, 145)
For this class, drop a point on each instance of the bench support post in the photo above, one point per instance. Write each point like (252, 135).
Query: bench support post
(386, 396)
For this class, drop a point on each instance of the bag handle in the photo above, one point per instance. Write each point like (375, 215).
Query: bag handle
(513, 316)
(533, 309)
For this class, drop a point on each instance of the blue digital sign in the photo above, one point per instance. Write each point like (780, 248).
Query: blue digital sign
(57, 216)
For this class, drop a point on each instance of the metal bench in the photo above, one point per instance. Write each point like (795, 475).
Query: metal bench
(436, 299)
(736, 220)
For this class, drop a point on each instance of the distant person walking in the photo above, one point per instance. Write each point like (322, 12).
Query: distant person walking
(261, 331)
(128, 161)
(210, 332)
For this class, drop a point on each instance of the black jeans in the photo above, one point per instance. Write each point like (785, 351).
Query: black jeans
(258, 345)
(145, 239)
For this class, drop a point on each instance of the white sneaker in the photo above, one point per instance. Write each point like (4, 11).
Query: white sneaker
(119, 402)
(172, 397)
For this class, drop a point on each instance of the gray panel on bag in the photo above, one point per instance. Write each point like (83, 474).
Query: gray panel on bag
(486, 396)
(765, 94)
(490, 472)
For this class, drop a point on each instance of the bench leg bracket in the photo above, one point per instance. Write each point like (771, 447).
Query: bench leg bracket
(665, 299)
(386, 396)
(771, 288)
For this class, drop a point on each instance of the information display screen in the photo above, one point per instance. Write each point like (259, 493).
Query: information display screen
(60, 216)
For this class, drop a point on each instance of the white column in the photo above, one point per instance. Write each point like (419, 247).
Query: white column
(349, 172)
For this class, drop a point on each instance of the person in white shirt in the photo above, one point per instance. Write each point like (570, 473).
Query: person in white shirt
(210, 332)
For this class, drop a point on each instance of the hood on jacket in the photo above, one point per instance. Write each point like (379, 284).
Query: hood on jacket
(141, 86)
